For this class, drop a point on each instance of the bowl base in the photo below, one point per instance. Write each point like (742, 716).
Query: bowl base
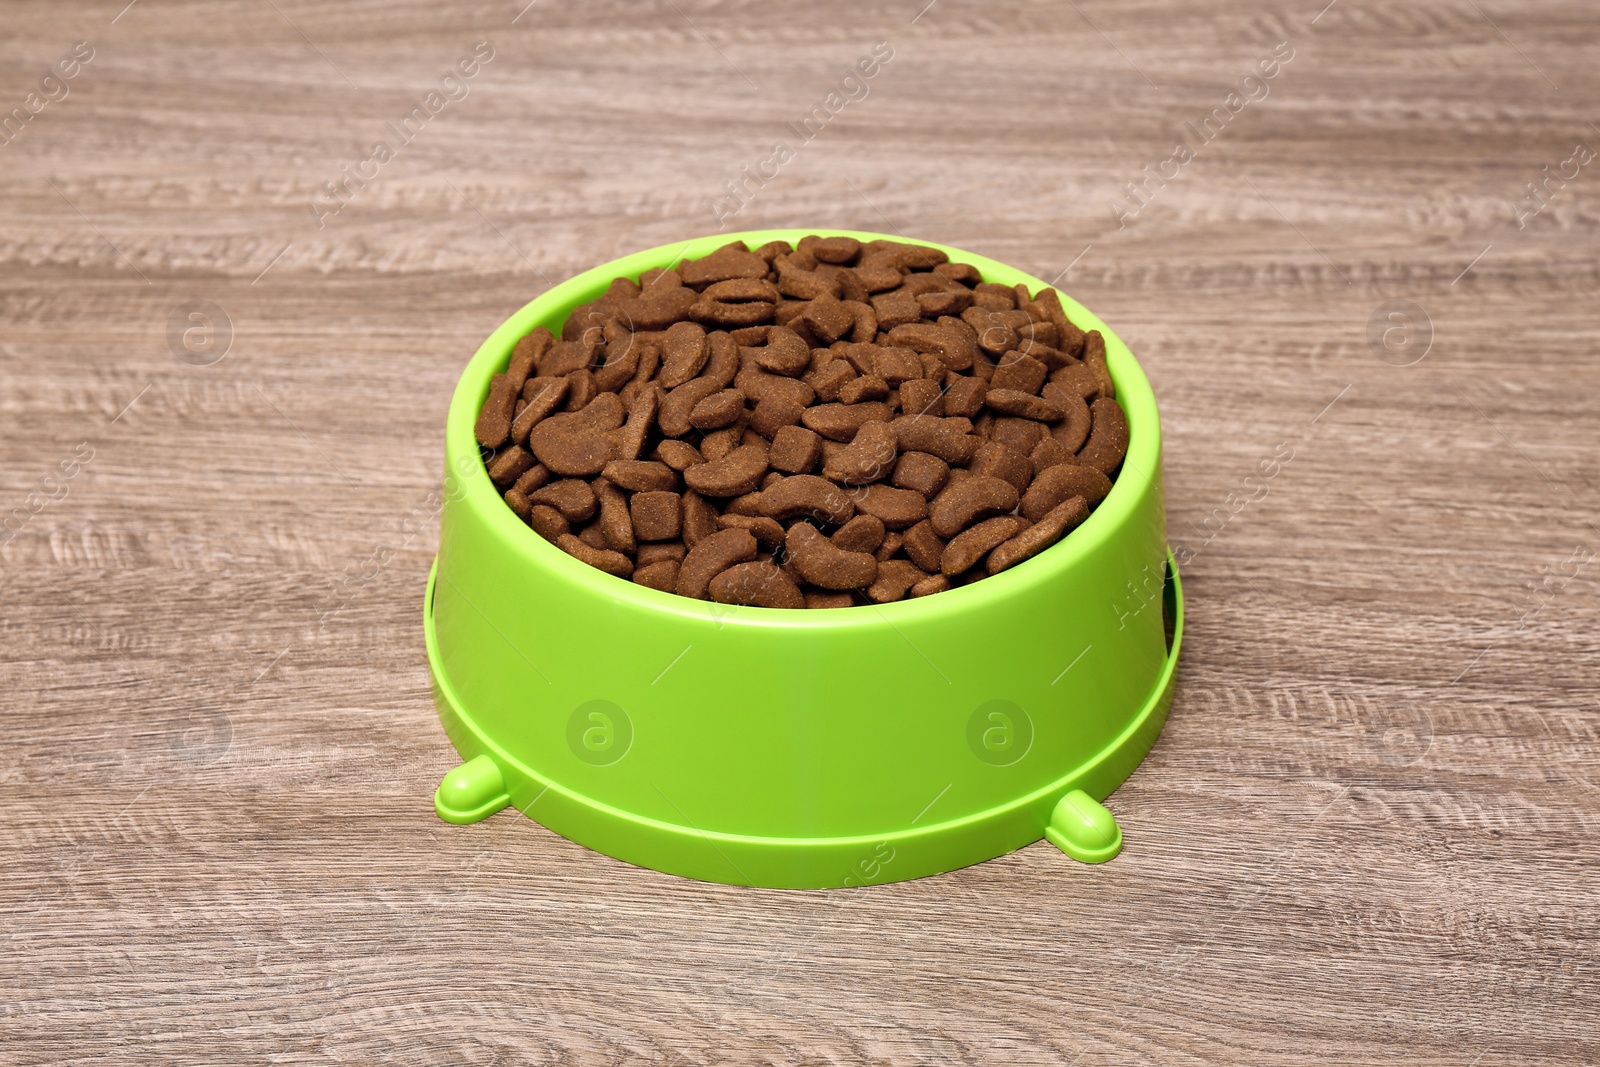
(1067, 811)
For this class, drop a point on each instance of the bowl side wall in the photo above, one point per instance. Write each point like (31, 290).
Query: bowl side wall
(794, 723)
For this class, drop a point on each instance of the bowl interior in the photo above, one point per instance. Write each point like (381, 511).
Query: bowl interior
(465, 474)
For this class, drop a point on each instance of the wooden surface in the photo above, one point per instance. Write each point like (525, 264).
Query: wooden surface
(1369, 830)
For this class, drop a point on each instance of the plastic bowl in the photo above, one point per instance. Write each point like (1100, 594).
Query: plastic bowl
(799, 748)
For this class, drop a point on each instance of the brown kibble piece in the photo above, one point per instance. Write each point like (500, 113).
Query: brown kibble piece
(965, 397)
(821, 598)
(736, 473)
(604, 414)
(921, 396)
(679, 455)
(684, 352)
(640, 475)
(972, 544)
(1024, 374)
(547, 522)
(803, 284)
(758, 385)
(822, 564)
(895, 578)
(1059, 483)
(1094, 357)
(955, 348)
(830, 381)
(934, 583)
(756, 584)
(896, 365)
(613, 563)
(658, 306)
(544, 396)
(897, 308)
(699, 518)
(1108, 438)
(581, 389)
(921, 472)
(1000, 461)
(1018, 434)
(527, 353)
(590, 534)
(835, 249)
(720, 409)
(534, 478)
(971, 500)
(493, 428)
(1049, 453)
(615, 523)
(869, 457)
(710, 556)
(898, 508)
(784, 353)
(518, 502)
(948, 438)
(944, 302)
(656, 551)
(1073, 430)
(839, 422)
(1022, 405)
(510, 465)
(656, 515)
(923, 546)
(828, 319)
(767, 532)
(865, 387)
(773, 415)
(565, 357)
(629, 441)
(795, 449)
(725, 263)
(572, 497)
(864, 533)
(673, 414)
(806, 496)
(1040, 536)
(580, 455)
(662, 575)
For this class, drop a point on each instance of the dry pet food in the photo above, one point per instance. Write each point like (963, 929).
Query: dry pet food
(827, 424)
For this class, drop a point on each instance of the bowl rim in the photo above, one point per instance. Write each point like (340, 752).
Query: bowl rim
(468, 484)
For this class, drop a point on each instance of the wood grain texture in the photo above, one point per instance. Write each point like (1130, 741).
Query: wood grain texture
(1369, 831)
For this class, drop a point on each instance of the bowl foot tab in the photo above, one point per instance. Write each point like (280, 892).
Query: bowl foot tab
(1081, 827)
(472, 792)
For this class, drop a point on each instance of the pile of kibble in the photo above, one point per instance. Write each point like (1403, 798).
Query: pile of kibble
(820, 425)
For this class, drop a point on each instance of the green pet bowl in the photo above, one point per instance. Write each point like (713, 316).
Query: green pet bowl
(799, 748)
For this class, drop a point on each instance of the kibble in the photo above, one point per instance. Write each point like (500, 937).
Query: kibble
(821, 425)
